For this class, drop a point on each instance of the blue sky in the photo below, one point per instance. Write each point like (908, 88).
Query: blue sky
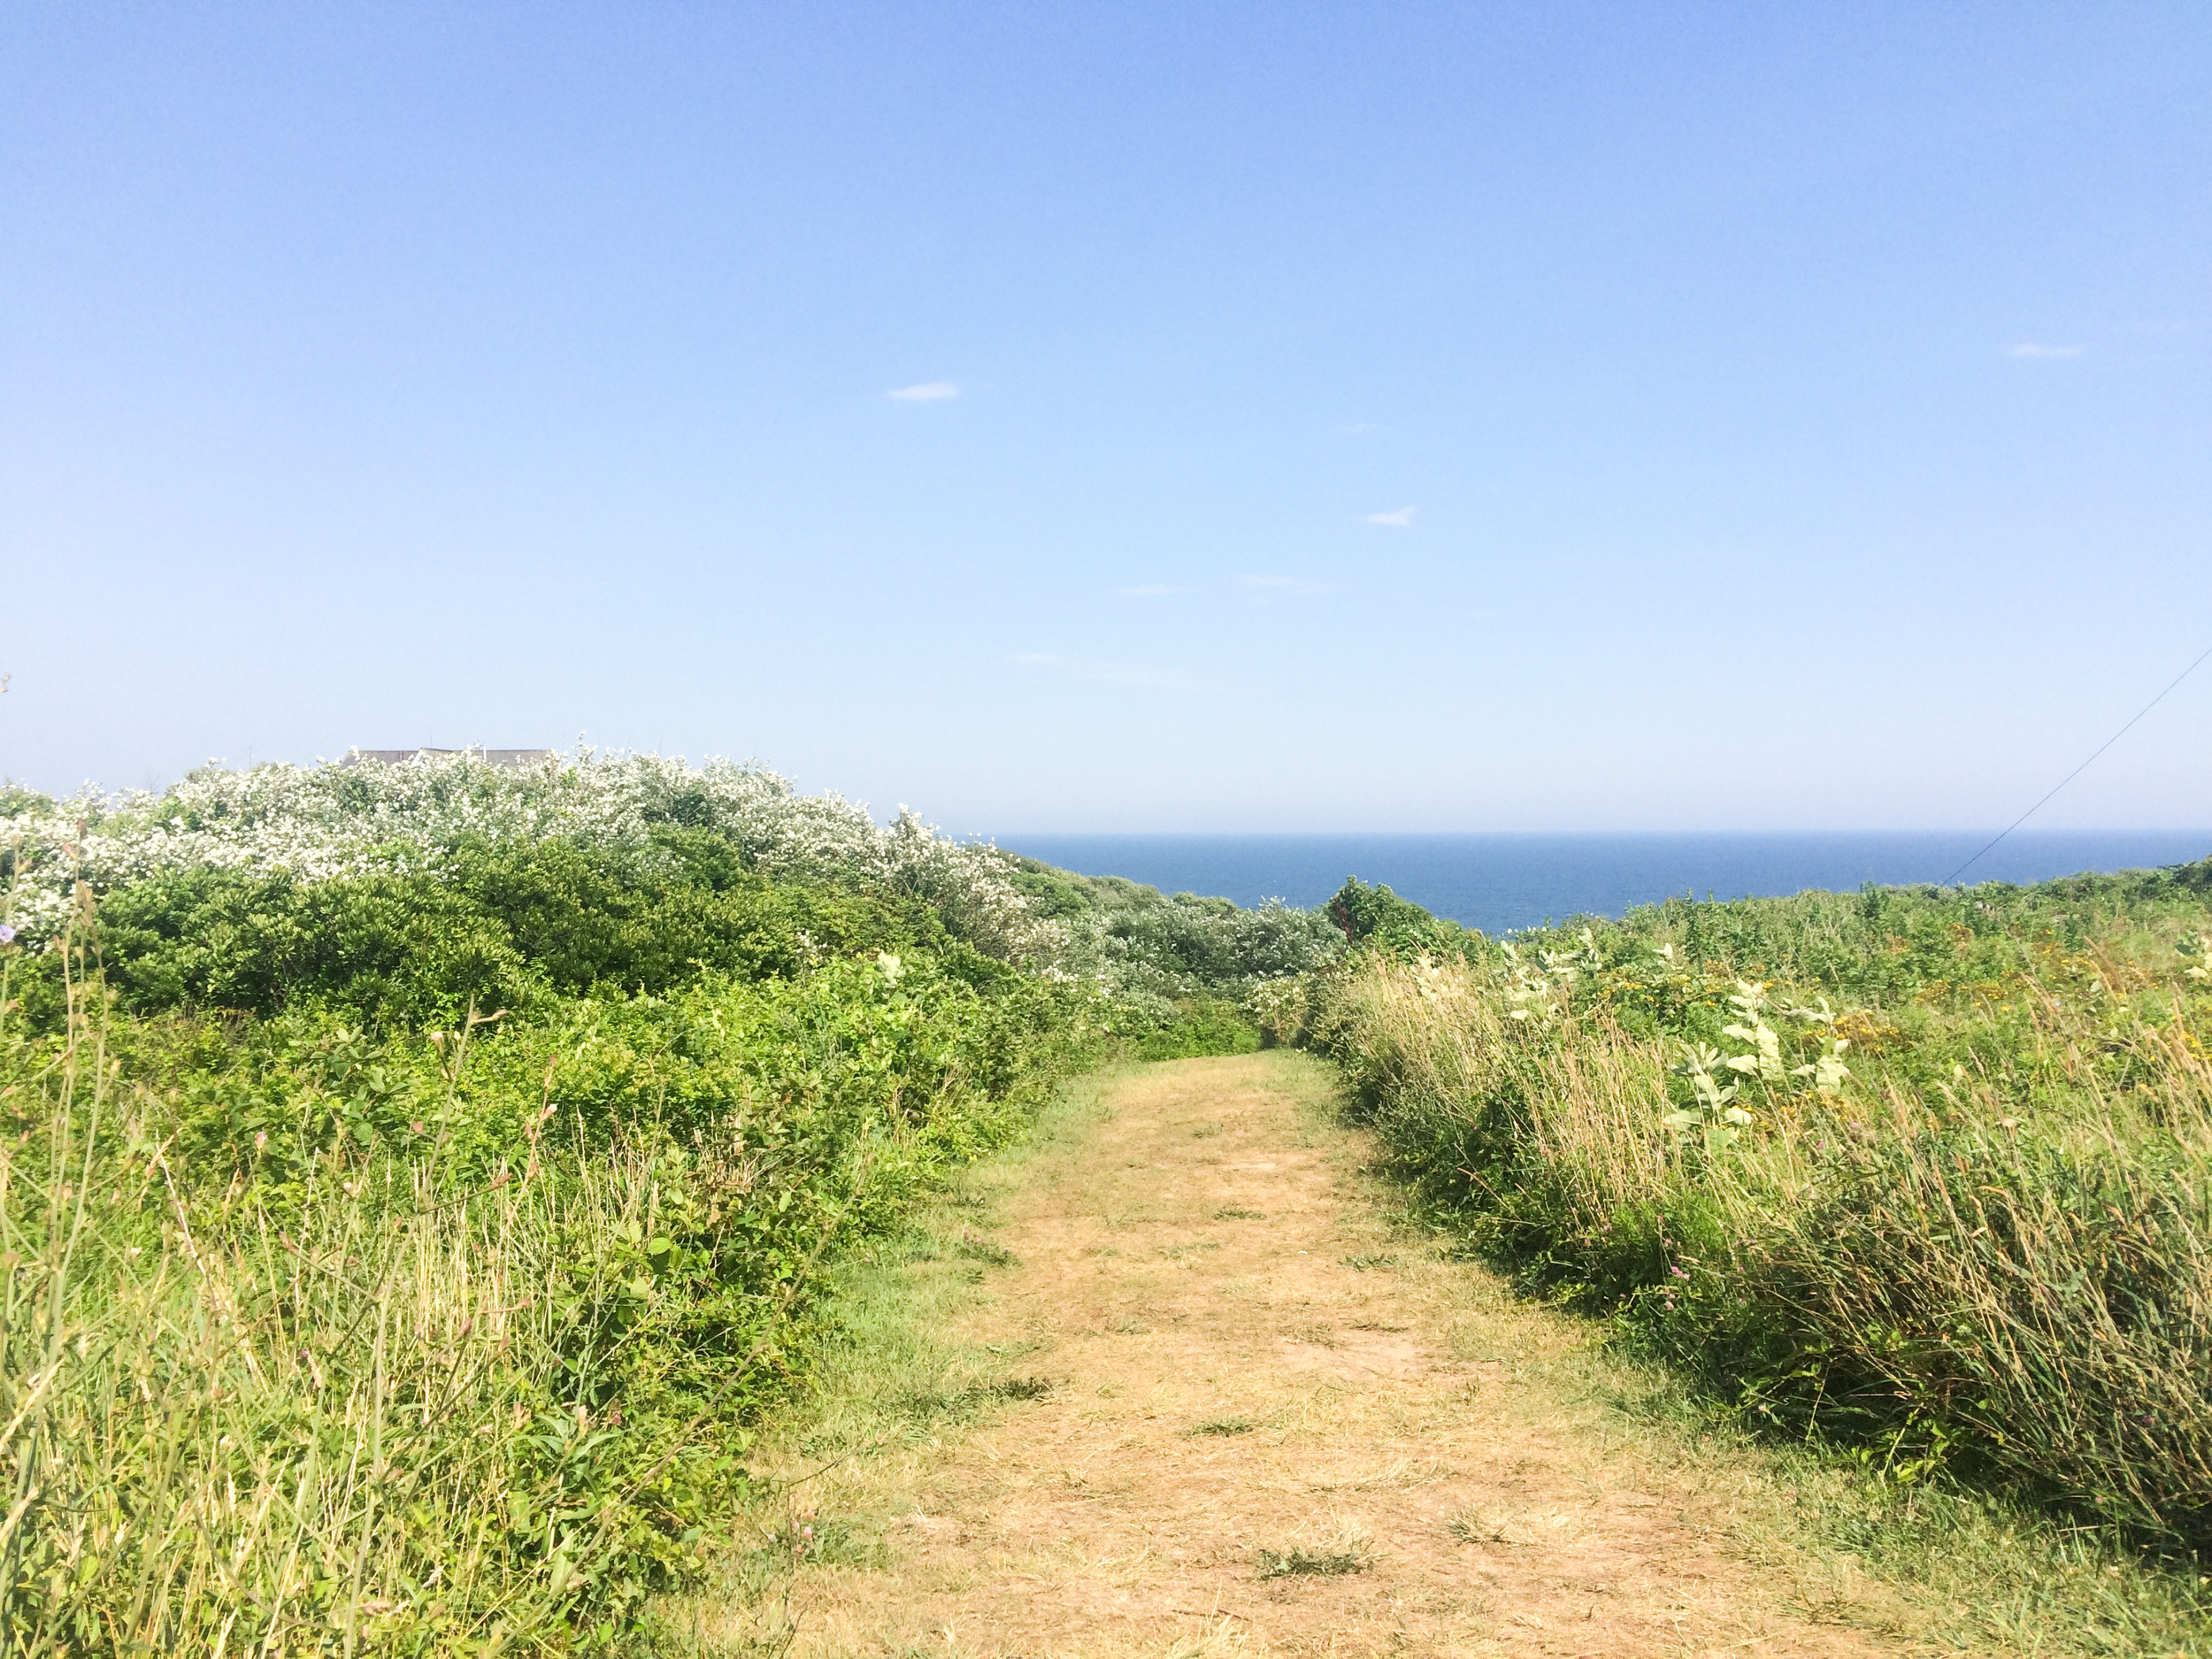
(1424, 417)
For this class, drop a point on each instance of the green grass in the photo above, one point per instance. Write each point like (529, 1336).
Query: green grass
(1967, 1571)
(1929, 1565)
(988, 1251)
(1300, 1564)
(324, 1335)
(1920, 1179)
(887, 1375)
(415, 1182)
(1222, 1426)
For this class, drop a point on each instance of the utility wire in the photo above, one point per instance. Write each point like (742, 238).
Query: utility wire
(2078, 770)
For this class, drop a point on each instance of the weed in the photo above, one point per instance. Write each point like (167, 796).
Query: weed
(805, 1539)
(964, 1404)
(1230, 1213)
(990, 1253)
(1308, 1563)
(1223, 1425)
(1471, 1526)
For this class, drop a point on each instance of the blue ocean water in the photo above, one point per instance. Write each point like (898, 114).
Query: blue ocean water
(1498, 882)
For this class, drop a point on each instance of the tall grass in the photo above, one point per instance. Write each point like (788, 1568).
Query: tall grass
(481, 1384)
(331, 1431)
(1964, 1230)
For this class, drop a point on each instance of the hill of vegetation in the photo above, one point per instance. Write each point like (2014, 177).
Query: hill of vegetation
(415, 1179)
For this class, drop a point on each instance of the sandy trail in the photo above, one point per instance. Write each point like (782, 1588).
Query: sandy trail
(1245, 1357)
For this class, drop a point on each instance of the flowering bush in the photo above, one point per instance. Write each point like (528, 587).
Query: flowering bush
(1178, 966)
(325, 822)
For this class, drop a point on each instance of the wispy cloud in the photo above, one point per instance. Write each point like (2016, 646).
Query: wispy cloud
(927, 392)
(1145, 590)
(1285, 586)
(1397, 517)
(1147, 674)
(2029, 348)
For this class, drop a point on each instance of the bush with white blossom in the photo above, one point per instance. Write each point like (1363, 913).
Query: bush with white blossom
(333, 820)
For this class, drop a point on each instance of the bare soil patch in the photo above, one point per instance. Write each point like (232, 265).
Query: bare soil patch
(1273, 1425)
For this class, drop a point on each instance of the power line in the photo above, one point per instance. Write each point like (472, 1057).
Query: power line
(2078, 770)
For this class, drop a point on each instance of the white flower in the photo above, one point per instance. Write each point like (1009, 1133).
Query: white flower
(319, 823)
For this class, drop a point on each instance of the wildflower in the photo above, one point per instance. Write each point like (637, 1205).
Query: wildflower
(416, 1126)
(261, 1140)
(7, 934)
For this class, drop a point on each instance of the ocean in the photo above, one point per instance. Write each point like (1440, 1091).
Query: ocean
(1501, 882)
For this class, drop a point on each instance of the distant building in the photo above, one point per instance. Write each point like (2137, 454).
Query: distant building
(490, 756)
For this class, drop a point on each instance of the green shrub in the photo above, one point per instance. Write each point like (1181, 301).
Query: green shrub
(1200, 1026)
(1156, 949)
(320, 1336)
(1377, 916)
(506, 927)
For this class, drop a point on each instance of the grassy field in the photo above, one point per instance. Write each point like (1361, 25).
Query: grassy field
(1923, 1176)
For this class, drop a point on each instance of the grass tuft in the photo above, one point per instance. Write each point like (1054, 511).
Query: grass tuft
(986, 1251)
(1299, 1564)
(1223, 1425)
(1472, 1526)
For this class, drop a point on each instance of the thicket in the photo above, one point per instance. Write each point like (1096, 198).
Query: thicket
(1184, 969)
(414, 1180)
(1924, 1172)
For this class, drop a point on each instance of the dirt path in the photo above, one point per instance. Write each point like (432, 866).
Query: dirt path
(1243, 1358)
